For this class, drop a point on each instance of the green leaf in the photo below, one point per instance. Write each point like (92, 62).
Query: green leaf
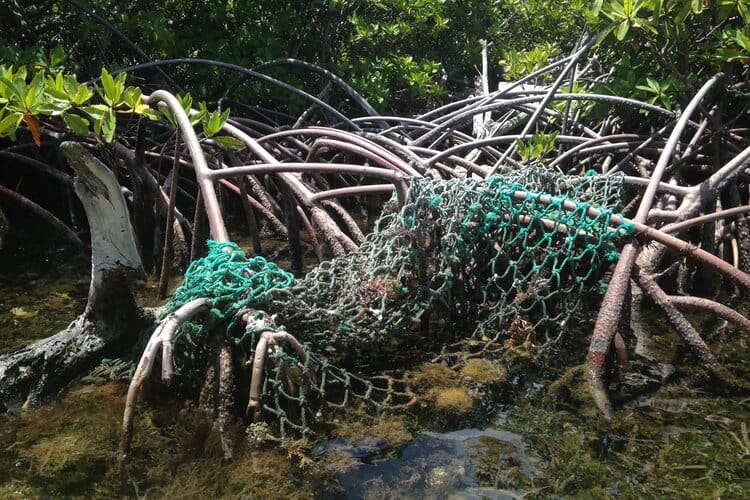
(616, 10)
(109, 125)
(627, 7)
(645, 24)
(120, 82)
(11, 90)
(682, 14)
(167, 113)
(212, 126)
(656, 10)
(10, 124)
(198, 117)
(229, 142)
(56, 94)
(730, 55)
(56, 56)
(132, 97)
(35, 92)
(77, 124)
(18, 77)
(70, 84)
(82, 94)
(97, 111)
(666, 101)
(597, 7)
(742, 38)
(113, 88)
(215, 122)
(150, 113)
(59, 82)
(622, 30)
(186, 101)
(743, 7)
(51, 108)
(109, 87)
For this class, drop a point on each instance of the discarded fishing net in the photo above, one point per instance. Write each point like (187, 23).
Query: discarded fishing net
(232, 282)
(487, 258)
(499, 261)
(503, 261)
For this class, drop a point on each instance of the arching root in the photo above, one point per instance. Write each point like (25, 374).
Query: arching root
(268, 344)
(687, 332)
(161, 340)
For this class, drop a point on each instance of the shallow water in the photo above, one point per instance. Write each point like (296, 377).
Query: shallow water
(679, 446)
(682, 439)
(42, 289)
(460, 464)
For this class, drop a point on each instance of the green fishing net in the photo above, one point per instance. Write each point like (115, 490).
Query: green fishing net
(494, 259)
(506, 261)
(232, 281)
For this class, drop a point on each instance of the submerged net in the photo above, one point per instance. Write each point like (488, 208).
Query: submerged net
(506, 261)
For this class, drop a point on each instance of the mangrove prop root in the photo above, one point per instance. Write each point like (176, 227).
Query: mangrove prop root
(686, 330)
(161, 340)
(217, 397)
(267, 345)
(401, 153)
(716, 308)
(606, 326)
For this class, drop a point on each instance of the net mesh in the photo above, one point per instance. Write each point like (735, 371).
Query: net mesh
(483, 257)
(232, 281)
(505, 261)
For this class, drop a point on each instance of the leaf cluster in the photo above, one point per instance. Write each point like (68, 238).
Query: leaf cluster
(661, 50)
(58, 99)
(400, 54)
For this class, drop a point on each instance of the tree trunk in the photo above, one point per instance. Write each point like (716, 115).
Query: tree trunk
(111, 321)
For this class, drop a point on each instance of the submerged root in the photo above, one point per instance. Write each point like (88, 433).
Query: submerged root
(688, 332)
(161, 340)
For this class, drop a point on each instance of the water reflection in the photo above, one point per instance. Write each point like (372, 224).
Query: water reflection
(465, 464)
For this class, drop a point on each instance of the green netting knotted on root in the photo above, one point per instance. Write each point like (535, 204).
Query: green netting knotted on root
(295, 387)
(232, 282)
(498, 259)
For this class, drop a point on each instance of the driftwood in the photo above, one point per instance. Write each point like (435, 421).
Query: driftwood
(111, 319)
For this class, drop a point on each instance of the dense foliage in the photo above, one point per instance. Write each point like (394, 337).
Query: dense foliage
(83, 108)
(399, 54)
(661, 51)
